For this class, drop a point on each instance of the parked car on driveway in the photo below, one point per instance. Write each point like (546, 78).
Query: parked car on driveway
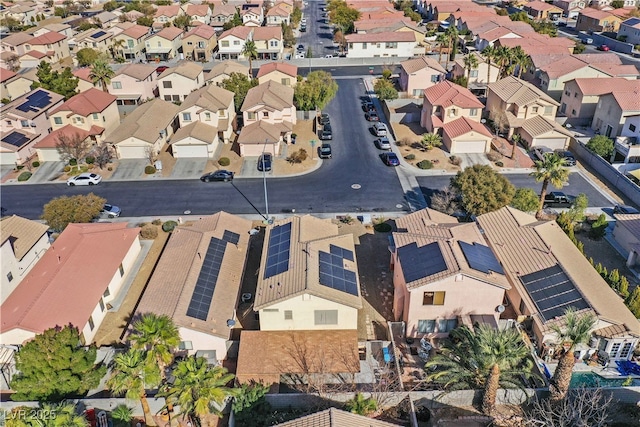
(541, 151)
(264, 162)
(110, 211)
(326, 132)
(390, 158)
(221, 175)
(383, 143)
(84, 179)
(568, 157)
(372, 116)
(380, 129)
(557, 199)
(325, 151)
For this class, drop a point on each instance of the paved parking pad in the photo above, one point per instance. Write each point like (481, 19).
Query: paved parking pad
(46, 172)
(129, 169)
(189, 167)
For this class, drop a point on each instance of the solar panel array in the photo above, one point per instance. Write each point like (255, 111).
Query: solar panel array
(206, 284)
(420, 262)
(278, 251)
(15, 138)
(231, 237)
(98, 35)
(480, 257)
(332, 271)
(35, 102)
(553, 292)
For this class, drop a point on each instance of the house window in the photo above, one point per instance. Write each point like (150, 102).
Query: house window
(130, 44)
(265, 114)
(148, 44)
(186, 117)
(364, 45)
(117, 85)
(273, 43)
(24, 123)
(251, 115)
(575, 95)
(534, 110)
(473, 73)
(224, 43)
(95, 116)
(614, 349)
(200, 45)
(548, 110)
(350, 45)
(378, 45)
(285, 82)
(632, 127)
(417, 92)
(101, 304)
(236, 42)
(435, 78)
(185, 345)
(10, 276)
(107, 292)
(325, 317)
(91, 325)
(207, 116)
(391, 45)
(271, 310)
(288, 315)
(566, 92)
(222, 113)
(447, 325)
(189, 43)
(167, 85)
(175, 98)
(626, 348)
(159, 44)
(9, 123)
(426, 326)
(573, 112)
(79, 120)
(57, 120)
(167, 98)
(121, 269)
(473, 112)
(433, 298)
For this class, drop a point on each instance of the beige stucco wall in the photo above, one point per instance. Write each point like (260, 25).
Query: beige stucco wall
(448, 114)
(624, 238)
(180, 85)
(418, 81)
(19, 268)
(16, 87)
(278, 77)
(303, 307)
(202, 341)
(608, 112)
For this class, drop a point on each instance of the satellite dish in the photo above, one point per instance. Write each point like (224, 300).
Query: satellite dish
(231, 323)
(500, 308)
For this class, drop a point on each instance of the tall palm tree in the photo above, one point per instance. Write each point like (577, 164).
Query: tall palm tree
(484, 358)
(58, 415)
(489, 53)
(521, 59)
(470, 63)
(131, 376)
(452, 40)
(116, 46)
(551, 170)
(158, 336)
(197, 388)
(250, 51)
(442, 39)
(361, 406)
(502, 57)
(101, 73)
(576, 330)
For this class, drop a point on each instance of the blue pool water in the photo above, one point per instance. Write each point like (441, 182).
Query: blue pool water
(589, 379)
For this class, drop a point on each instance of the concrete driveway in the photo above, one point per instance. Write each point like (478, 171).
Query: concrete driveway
(129, 169)
(48, 171)
(189, 167)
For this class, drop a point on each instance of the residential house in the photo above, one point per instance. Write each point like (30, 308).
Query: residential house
(366, 25)
(69, 285)
(164, 45)
(57, 27)
(213, 106)
(308, 279)
(166, 15)
(194, 287)
(570, 8)
(383, 44)
(47, 148)
(334, 417)
(278, 15)
(281, 72)
(133, 84)
(417, 74)
(199, 13)
(174, 84)
(84, 81)
(490, 36)
(22, 244)
(542, 11)
(131, 43)
(538, 44)
(594, 20)
(132, 15)
(24, 122)
(87, 109)
(252, 15)
(627, 145)
(13, 84)
(106, 19)
(614, 109)
(630, 30)
(137, 135)
(626, 233)
(223, 70)
(15, 44)
(222, 13)
(268, 116)
(545, 132)
(269, 42)
(446, 102)
(25, 13)
(466, 135)
(231, 42)
(548, 274)
(476, 77)
(436, 264)
(51, 47)
(199, 43)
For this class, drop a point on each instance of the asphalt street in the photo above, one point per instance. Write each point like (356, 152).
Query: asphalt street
(319, 35)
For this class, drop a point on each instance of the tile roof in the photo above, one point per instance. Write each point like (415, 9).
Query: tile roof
(210, 97)
(168, 11)
(601, 85)
(16, 39)
(224, 9)
(270, 94)
(628, 100)
(631, 222)
(204, 31)
(524, 245)
(137, 71)
(261, 131)
(168, 33)
(136, 32)
(389, 36)
(226, 68)
(540, 6)
(289, 69)
(240, 32)
(68, 131)
(309, 236)
(369, 24)
(418, 221)
(515, 91)
(11, 107)
(197, 10)
(334, 417)
(64, 287)
(563, 66)
(6, 74)
(36, 54)
(415, 64)
(592, 13)
(462, 126)
(83, 74)
(197, 130)
(22, 233)
(617, 70)
(447, 94)
(278, 11)
(47, 38)
(134, 125)
(538, 125)
(267, 33)
(174, 279)
(88, 102)
(188, 69)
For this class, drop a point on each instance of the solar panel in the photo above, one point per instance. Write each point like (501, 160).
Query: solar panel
(419, 262)
(15, 139)
(35, 102)
(480, 257)
(98, 35)
(231, 237)
(553, 292)
(206, 284)
(278, 251)
(332, 271)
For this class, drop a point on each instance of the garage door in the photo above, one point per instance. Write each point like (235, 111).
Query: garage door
(132, 152)
(8, 158)
(461, 147)
(553, 143)
(181, 151)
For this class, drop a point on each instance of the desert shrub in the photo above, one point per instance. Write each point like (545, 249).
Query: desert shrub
(35, 164)
(90, 160)
(383, 227)
(141, 224)
(493, 156)
(24, 176)
(149, 170)
(73, 162)
(67, 169)
(425, 164)
(403, 142)
(110, 168)
(298, 156)
(499, 164)
(20, 167)
(149, 232)
(455, 160)
(410, 157)
(156, 221)
(169, 226)
(224, 161)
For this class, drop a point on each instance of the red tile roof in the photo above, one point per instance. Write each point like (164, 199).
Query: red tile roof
(169, 33)
(399, 36)
(87, 102)
(204, 31)
(240, 32)
(168, 11)
(50, 140)
(47, 38)
(447, 94)
(136, 31)
(6, 74)
(267, 33)
(462, 126)
(36, 54)
(64, 287)
(601, 85)
(269, 67)
(628, 100)
(197, 10)
(83, 74)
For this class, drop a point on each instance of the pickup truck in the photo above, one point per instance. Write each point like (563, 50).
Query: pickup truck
(557, 199)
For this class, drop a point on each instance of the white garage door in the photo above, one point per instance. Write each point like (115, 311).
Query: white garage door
(461, 147)
(553, 143)
(48, 155)
(8, 158)
(181, 151)
(132, 152)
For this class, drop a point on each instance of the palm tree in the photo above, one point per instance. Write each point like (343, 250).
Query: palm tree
(431, 140)
(521, 59)
(452, 38)
(250, 51)
(484, 358)
(441, 39)
(58, 414)
(131, 376)
(576, 330)
(470, 63)
(122, 414)
(197, 388)
(361, 406)
(101, 73)
(502, 57)
(489, 53)
(116, 46)
(158, 336)
(552, 171)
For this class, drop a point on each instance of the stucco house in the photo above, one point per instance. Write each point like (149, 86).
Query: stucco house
(281, 72)
(69, 285)
(269, 42)
(417, 74)
(16, 43)
(277, 15)
(164, 45)
(22, 243)
(194, 287)
(308, 277)
(630, 29)
(231, 42)
(200, 13)
(132, 47)
(166, 14)
(222, 13)
(133, 84)
(13, 85)
(476, 77)
(176, 83)
(199, 43)
(446, 102)
(626, 233)
(383, 44)
(223, 70)
(213, 106)
(613, 109)
(466, 135)
(51, 47)
(86, 110)
(252, 15)
(571, 8)
(595, 20)
(545, 132)
(541, 11)
(93, 38)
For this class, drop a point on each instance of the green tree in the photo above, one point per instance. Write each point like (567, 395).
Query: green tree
(198, 388)
(288, 38)
(482, 189)
(64, 210)
(131, 375)
(552, 171)
(122, 414)
(633, 301)
(361, 405)
(54, 366)
(110, 6)
(101, 73)
(342, 16)
(385, 89)
(61, 414)
(599, 227)
(484, 358)
(86, 25)
(145, 21)
(250, 408)
(11, 23)
(579, 48)
(520, 59)
(315, 92)
(470, 63)
(296, 15)
(236, 21)
(489, 53)
(617, 4)
(451, 34)
(442, 41)
(250, 51)
(525, 199)
(576, 330)
(182, 21)
(158, 336)
(601, 145)
(239, 84)
(431, 140)
(64, 83)
(577, 211)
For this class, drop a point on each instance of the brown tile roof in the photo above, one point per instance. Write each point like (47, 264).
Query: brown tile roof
(36, 54)
(389, 36)
(416, 222)
(197, 10)
(628, 100)
(168, 11)
(204, 31)
(599, 58)
(136, 32)
(447, 94)
(261, 131)
(11, 108)
(270, 94)
(309, 236)
(197, 130)
(83, 74)
(278, 11)
(333, 417)
(601, 85)
(224, 9)
(16, 39)
(592, 13)
(23, 233)
(618, 70)
(6, 74)
(289, 69)
(174, 279)
(369, 24)
(240, 32)
(462, 126)
(563, 66)
(415, 64)
(169, 33)
(515, 91)
(134, 125)
(538, 125)
(210, 97)
(137, 71)
(613, 331)
(69, 131)
(188, 69)
(540, 6)
(226, 68)
(47, 38)
(64, 287)
(631, 222)
(87, 102)
(267, 33)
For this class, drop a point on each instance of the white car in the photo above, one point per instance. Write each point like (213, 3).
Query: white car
(299, 55)
(380, 129)
(540, 152)
(303, 21)
(328, 56)
(84, 179)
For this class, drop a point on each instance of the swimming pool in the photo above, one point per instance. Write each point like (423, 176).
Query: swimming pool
(589, 379)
